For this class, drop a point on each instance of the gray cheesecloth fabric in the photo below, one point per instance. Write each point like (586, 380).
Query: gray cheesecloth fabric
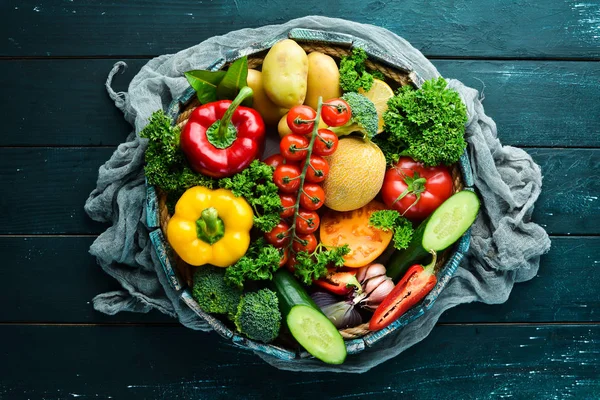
(505, 246)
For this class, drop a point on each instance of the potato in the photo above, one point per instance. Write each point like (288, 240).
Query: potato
(323, 79)
(284, 73)
(269, 111)
(283, 129)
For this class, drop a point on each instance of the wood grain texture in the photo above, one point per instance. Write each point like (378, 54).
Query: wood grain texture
(464, 362)
(533, 103)
(52, 184)
(556, 294)
(58, 279)
(513, 28)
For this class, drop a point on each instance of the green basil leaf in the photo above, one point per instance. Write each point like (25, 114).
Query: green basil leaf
(205, 83)
(235, 79)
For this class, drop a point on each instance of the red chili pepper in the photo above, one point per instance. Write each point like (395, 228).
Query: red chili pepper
(222, 138)
(412, 288)
(338, 282)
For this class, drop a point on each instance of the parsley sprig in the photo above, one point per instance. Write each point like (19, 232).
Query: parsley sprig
(387, 220)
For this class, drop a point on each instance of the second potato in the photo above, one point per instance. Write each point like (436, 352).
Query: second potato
(323, 79)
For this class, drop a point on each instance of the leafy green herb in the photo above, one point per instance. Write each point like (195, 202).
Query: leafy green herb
(166, 166)
(235, 78)
(259, 263)
(354, 74)
(255, 184)
(387, 220)
(314, 265)
(427, 124)
(205, 84)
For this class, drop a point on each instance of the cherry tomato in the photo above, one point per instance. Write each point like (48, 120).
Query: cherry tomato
(279, 236)
(426, 188)
(336, 112)
(312, 197)
(326, 143)
(307, 222)
(291, 263)
(301, 119)
(274, 160)
(317, 170)
(294, 147)
(284, 256)
(287, 178)
(307, 243)
(288, 202)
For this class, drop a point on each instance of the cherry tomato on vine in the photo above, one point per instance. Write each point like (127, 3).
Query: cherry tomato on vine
(280, 235)
(306, 243)
(284, 256)
(287, 178)
(312, 196)
(336, 112)
(301, 119)
(291, 263)
(317, 170)
(307, 222)
(326, 143)
(288, 202)
(274, 160)
(294, 147)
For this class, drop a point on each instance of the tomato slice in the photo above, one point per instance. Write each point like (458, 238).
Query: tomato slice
(352, 228)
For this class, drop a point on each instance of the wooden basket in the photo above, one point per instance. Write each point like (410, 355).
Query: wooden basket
(181, 273)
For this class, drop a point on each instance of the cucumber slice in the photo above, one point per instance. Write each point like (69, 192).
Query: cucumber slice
(309, 326)
(450, 220)
(438, 232)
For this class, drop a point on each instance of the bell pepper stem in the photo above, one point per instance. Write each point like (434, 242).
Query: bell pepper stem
(428, 269)
(223, 133)
(209, 227)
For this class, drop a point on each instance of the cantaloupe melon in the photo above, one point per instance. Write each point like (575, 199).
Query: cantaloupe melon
(356, 172)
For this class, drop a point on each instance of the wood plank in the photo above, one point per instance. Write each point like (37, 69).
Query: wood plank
(466, 362)
(534, 103)
(53, 280)
(54, 190)
(556, 294)
(512, 28)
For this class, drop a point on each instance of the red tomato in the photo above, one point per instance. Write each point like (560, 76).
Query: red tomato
(287, 178)
(307, 243)
(279, 236)
(317, 170)
(312, 196)
(301, 119)
(274, 160)
(288, 202)
(426, 188)
(284, 256)
(294, 147)
(307, 222)
(326, 143)
(336, 112)
(291, 263)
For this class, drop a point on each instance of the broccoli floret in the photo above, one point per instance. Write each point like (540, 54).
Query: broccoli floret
(258, 315)
(212, 293)
(364, 116)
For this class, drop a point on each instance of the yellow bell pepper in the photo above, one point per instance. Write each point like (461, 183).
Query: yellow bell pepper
(210, 227)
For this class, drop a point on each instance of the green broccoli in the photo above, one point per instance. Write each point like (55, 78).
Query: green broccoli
(353, 73)
(364, 116)
(212, 293)
(258, 315)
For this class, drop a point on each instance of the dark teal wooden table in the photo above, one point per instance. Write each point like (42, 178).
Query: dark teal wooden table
(539, 66)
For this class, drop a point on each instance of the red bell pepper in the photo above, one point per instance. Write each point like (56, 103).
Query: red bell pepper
(222, 138)
(338, 282)
(412, 288)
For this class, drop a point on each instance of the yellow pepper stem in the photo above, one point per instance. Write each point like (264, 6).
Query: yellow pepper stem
(209, 227)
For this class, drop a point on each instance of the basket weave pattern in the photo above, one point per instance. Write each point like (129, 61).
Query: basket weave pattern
(393, 77)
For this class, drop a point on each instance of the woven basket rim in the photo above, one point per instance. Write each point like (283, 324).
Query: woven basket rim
(357, 338)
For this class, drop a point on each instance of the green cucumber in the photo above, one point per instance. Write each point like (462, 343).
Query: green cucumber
(438, 232)
(309, 326)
